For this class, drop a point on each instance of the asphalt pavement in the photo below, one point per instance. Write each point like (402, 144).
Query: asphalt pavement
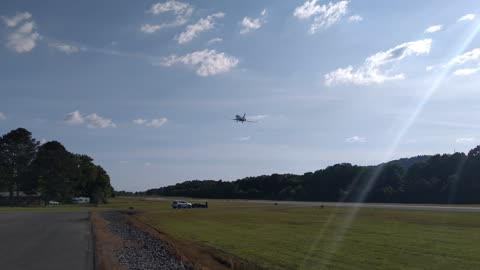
(46, 240)
(418, 207)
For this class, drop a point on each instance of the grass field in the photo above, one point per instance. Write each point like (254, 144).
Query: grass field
(277, 237)
(280, 237)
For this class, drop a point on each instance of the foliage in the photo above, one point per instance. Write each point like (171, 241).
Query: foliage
(50, 169)
(447, 178)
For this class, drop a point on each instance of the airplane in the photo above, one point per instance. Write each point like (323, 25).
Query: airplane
(242, 119)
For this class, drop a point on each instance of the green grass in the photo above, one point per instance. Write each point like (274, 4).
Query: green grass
(277, 237)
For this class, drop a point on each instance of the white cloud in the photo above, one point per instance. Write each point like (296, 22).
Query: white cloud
(356, 139)
(18, 18)
(372, 71)
(92, 120)
(434, 28)
(201, 25)
(465, 140)
(467, 17)
(74, 118)
(150, 29)
(23, 36)
(66, 48)
(465, 71)
(2, 116)
(206, 62)
(251, 24)
(355, 18)
(466, 57)
(43, 141)
(96, 121)
(244, 139)
(324, 16)
(150, 123)
(429, 68)
(140, 121)
(215, 40)
(182, 11)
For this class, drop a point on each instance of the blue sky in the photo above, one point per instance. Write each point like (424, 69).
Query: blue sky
(148, 89)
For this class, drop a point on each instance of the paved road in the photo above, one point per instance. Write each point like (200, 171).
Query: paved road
(443, 208)
(45, 240)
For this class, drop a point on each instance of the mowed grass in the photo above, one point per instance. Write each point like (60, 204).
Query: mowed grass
(279, 237)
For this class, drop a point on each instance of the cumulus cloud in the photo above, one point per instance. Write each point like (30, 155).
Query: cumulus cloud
(465, 71)
(215, 40)
(91, 120)
(182, 12)
(74, 118)
(66, 48)
(356, 139)
(466, 57)
(467, 17)
(465, 140)
(373, 69)
(429, 68)
(323, 16)
(150, 123)
(434, 28)
(18, 18)
(355, 18)
(43, 141)
(206, 62)
(96, 121)
(2, 116)
(201, 25)
(149, 28)
(251, 24)
(23, 35)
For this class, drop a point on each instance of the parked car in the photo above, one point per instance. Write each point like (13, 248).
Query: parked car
(53, 203)
(181, 204)
(200, 205)
(80, 200)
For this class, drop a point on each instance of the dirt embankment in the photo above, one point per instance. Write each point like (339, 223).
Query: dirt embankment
(105, 244)
(199, 256)
(124, 241)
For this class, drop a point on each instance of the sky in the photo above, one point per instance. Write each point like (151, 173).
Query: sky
(149, 89)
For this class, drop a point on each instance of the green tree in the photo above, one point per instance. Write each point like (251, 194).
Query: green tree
(56, 171)
(17, 151)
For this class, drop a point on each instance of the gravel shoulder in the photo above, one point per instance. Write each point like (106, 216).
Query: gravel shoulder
(123, 246)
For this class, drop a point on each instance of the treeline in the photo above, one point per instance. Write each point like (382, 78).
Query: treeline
(51, 170)
(447, 178)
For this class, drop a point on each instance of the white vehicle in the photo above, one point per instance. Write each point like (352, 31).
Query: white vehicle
(181, 204)
(53, 203)
(80, 200)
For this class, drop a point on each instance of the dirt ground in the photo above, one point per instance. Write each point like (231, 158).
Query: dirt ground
(105, 243)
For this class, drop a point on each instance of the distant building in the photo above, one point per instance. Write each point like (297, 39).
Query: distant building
(80, 200)
(22, 198)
